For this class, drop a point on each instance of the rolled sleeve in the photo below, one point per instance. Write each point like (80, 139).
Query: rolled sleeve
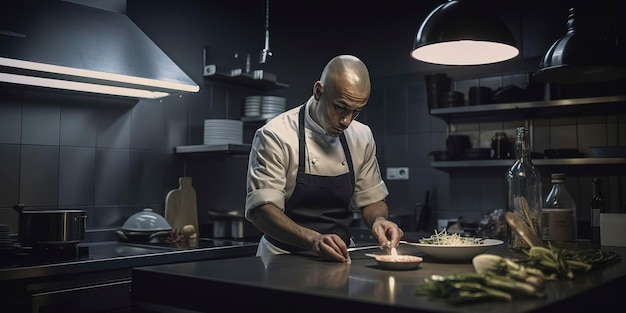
(371, 195)
(260, 197)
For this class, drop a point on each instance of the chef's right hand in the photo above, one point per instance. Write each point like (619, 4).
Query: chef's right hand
(330, 247)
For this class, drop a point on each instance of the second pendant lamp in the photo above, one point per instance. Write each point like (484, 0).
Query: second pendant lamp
(462, 32)
(582, 55)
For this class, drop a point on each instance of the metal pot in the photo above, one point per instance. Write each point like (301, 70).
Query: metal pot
(50, 227)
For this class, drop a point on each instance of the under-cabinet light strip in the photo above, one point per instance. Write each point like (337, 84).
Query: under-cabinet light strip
(78, 86)
(49, 68)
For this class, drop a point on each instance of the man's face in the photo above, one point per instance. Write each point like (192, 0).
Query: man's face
(339, 106)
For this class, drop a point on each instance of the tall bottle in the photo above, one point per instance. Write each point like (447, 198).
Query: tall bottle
(523, 189)
(559, 215)
(598, 205)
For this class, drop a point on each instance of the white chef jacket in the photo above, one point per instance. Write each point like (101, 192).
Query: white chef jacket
(273, 161)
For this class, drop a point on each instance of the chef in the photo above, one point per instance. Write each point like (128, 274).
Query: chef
(310, 166)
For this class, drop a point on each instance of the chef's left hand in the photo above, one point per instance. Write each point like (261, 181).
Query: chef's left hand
(387, 232)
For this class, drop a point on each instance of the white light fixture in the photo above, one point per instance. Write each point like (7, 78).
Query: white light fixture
(461, 32)
(62, 77)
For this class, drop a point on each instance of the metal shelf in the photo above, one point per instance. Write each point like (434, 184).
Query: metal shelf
(539, 162)
(246, 80)
(535, 108)
(220, 148)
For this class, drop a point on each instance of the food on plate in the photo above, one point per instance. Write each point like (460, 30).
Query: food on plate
(398, 258)
(445, 239)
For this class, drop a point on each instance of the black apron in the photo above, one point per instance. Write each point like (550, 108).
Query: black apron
(321, 203)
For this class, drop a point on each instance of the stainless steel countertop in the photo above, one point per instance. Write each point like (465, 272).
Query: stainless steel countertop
(113, 255)
(305, 282)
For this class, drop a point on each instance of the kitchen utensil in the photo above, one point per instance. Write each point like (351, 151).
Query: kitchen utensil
(396, 262)
(477, 154)
(144, 226)
(455, 253)
(501, 146)
(181, 206)
(50, 227)
(363, 248)
(437, 85)
(456, 144)
(453, 99)
(479, 95)
(518, 225)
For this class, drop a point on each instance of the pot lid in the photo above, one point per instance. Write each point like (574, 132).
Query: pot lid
(146, 220)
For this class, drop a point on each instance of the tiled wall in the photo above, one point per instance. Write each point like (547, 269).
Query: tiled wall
(109, 156)
(408, 133)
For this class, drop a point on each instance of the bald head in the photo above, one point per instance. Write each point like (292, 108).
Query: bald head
(346, 72)
(341, 93)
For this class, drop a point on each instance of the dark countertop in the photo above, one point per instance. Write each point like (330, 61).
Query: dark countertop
(104, 256)
(309, 284)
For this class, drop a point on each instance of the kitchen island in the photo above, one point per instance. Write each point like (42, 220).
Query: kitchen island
(305, 283)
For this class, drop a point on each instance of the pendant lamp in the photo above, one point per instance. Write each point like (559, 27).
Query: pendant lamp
(581, 56)
(462, 32)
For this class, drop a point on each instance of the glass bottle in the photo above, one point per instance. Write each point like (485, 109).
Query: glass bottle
(559, 215)
(598, 205)
(523, 189)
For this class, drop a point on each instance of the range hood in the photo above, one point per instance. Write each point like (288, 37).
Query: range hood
(59, 44)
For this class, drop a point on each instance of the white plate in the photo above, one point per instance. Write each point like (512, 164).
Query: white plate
(457, 252)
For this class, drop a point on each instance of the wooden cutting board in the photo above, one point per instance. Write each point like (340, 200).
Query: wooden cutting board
(181, 206)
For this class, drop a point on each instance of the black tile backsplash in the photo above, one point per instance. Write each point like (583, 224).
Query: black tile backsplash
(77, 176)
(396, 117)
(145, 177)
(175, 119)
(112, 176)
(147, 125)
(78, 124)
(46, 114)
(39, 175)
(113, 126)
(10, 115)
(10, 182)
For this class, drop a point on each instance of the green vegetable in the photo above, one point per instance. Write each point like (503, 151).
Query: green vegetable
(500, 278)
(468, 287)
(461, 288)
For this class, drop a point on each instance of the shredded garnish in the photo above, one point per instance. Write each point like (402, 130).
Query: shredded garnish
(445, 239)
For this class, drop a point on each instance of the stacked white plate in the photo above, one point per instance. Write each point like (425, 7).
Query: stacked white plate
(272, 105)
(252, 106)
(223, 131)
(264, 106)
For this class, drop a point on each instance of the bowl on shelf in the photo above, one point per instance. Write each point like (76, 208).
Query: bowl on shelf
(609, 151)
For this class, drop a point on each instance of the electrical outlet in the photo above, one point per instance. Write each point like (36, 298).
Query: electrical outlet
(397, 173)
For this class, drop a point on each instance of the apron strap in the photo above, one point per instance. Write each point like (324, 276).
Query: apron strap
(302, 147)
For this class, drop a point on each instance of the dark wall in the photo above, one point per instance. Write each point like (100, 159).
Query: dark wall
(115, 156)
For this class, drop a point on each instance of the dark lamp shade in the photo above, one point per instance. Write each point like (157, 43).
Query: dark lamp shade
(463, 33)
(580, 56)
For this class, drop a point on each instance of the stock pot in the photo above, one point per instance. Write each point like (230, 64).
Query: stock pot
(50, 227)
